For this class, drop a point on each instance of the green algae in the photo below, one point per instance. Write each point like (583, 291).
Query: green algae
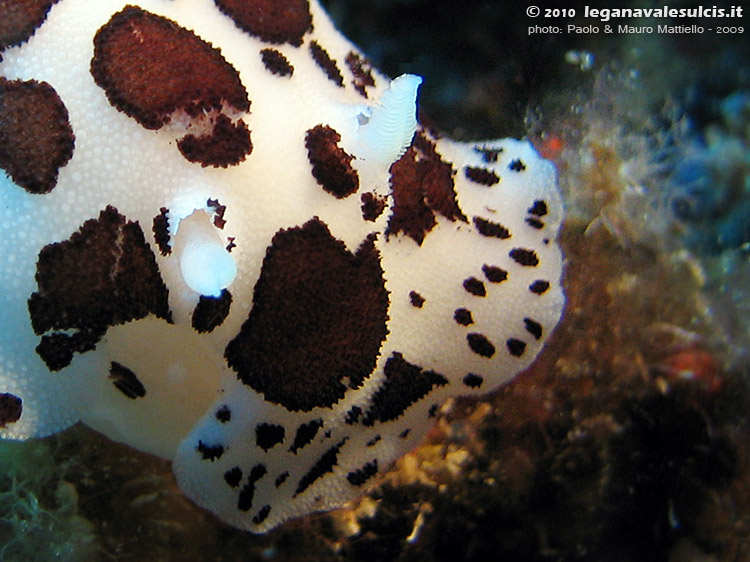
(39, 518)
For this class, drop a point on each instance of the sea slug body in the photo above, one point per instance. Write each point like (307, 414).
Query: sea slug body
(227, 241)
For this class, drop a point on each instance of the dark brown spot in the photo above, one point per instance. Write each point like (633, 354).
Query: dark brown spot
(463, 316)
(362, 72)
(494, 274)
(275, 21)
(161, 231)
(210, 452)
(218, 212)
(405, 433)
(480, 345)
(473, 381)
(11, 408)
(268, 435)
(373, 206)
(533, 327)
(276, 63)
(227, 144)
(104, 275)
(475, 287)
(323, 465)
(539, 286)
(524, 257)
(481, 176)
(362, 475)
(262, 514)
(211, 312)
(491, 229)
(331, 165)
(405, 384)
(150, 68)
(326, 63)
(224, 414)
(539, 208)
(126, 381)
(36, 138)
(19, 19)
(372, 442)
(318, 318)
(306, 432)
(516, 347)
(245, 497)
(416, 299)
(422, 185)
(517, 166)
(233, 476)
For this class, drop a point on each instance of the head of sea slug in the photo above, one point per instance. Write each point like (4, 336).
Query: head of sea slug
(227, 241)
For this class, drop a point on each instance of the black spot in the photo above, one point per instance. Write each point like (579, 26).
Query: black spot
(463, 316)
(473, 381)
(372, 442)
(223, 414)
(539, 208)
(535, 223)
(517, 166)
(326, 63)
(262, 514)
(494, 274)
(516, 347)
(480, 345)
(161, 231)
(352, 416)
(416, 299)
(324, 464)
(281, 478)
(475, 287)
(491, 229)
(533, 327)
(405, 384)
(210, 452)
(126, 381)
(482, 176)
(305, 434)
(539, 286)
(405, 433)
(489, 155)
(210, 312)
(318, 318)
(11, 408)
(245, 498)
(276, 63)
(432, 412)
(524, 257)
(233, 476)
(268, 435)
(362, 475)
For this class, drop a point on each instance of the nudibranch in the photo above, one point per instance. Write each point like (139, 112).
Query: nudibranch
(228, 241)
